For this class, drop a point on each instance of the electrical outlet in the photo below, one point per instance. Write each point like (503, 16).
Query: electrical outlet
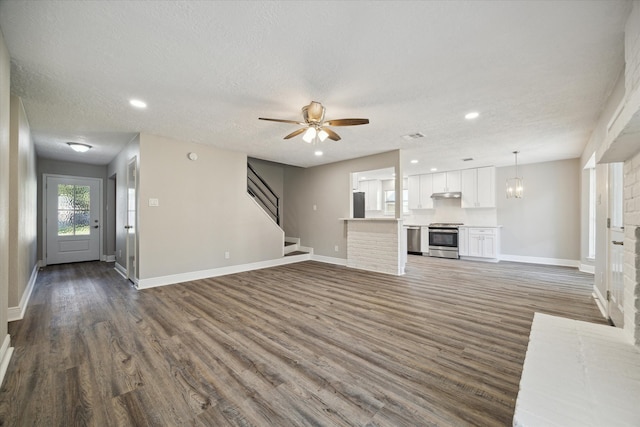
(335, 248)
(154, 202)
(120, 253)
(227, 255)
(315, 208)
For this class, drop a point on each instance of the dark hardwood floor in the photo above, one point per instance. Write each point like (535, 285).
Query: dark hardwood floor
(306, 344)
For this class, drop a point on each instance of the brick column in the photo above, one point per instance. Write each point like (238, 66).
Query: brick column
(632, 248)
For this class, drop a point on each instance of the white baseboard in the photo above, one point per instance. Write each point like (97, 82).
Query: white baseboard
(600, 300)
(586, 268)
(120, 269)
(541, 260)
(17, 313)
(215, 272)
(5, 356)
(329, 260)
(480, 259)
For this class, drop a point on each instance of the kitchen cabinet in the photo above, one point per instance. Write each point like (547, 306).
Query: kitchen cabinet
(446, 182)
(420, 190)
(483, 242)
(372, 194)
(478, 188)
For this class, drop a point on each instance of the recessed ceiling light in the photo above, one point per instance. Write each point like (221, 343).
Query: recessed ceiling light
(80, 148)
(472, 115)
(363, 178)
(318, 153)
(434, 169)
(414, 161)
(411, 136)
(137, 103)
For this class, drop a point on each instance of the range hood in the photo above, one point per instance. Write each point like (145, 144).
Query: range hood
(447, 195)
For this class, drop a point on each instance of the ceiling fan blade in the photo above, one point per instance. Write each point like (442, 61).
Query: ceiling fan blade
(346, 122)
(295, 133)
(332, 134)
(282, 121)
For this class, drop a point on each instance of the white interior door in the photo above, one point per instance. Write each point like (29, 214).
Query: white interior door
(73, 207)
(131, 223)
(615, 262)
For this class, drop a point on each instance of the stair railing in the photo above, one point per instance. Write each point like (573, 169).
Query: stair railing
(258, 188)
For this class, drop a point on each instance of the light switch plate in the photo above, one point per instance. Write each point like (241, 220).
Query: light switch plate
(154, 202)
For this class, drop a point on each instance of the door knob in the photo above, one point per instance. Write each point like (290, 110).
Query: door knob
(95, 226)
(128, 227)
(616, 242)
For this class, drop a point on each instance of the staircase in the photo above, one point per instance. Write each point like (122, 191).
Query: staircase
(269, 201)
(263, 194)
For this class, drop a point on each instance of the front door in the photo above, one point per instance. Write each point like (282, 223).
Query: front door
(73, 207)
(615, 274)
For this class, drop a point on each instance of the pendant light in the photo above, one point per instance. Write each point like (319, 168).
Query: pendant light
(515, 186)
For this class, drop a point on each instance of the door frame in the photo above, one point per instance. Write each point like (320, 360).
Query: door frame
(133, 162)
(45, 177)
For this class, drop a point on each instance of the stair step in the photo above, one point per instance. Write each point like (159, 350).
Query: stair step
(296, 253)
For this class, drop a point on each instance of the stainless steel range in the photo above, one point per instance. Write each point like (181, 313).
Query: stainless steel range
(443, 240)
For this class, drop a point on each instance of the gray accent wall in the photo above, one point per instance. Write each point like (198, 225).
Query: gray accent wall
(23, 191)
(204, 211)
(328, 188)
(5, 103)
(546, 221)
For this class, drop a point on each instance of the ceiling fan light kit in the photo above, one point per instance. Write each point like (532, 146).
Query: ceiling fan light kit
(315, 127)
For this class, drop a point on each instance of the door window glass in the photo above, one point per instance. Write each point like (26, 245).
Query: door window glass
(73, 210)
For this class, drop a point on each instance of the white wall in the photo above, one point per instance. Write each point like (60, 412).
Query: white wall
(23, 206)
(5, 103)
(545, 222)
(204, 211)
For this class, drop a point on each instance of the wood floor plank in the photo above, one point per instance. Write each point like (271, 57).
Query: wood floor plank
(305, 344)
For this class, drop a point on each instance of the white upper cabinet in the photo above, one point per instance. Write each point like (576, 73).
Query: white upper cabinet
(372, 194)
(479, 188)
(420, 190)
(446, 182)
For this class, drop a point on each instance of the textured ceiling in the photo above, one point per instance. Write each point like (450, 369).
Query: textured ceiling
(538, 72)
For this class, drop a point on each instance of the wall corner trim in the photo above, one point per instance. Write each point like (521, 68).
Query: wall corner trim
(5, 356)
(17, 313)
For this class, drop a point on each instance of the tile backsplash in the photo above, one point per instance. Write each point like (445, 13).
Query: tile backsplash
(449, 210)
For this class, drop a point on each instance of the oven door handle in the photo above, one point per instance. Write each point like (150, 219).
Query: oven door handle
(443, 231)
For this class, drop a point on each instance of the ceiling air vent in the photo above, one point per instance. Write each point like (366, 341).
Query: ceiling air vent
(412, 136)
(468, 159)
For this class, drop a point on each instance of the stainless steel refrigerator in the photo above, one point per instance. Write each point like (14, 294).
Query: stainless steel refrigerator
(358, 205)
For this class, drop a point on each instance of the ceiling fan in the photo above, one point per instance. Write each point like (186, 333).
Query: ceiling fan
(315, 125)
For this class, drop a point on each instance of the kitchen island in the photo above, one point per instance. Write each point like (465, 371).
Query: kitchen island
(376, 244)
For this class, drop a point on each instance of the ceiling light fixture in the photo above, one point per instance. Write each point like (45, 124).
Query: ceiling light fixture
(434, 169)
(318, 153)
(309, 135)
(472, 115)
(515, 186)
(137, 103)
(78, 147)
(414, 161)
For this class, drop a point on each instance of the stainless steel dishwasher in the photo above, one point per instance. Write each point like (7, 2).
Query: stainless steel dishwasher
(414, 240)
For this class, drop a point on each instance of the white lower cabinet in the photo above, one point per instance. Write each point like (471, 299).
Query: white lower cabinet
(479, 242)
